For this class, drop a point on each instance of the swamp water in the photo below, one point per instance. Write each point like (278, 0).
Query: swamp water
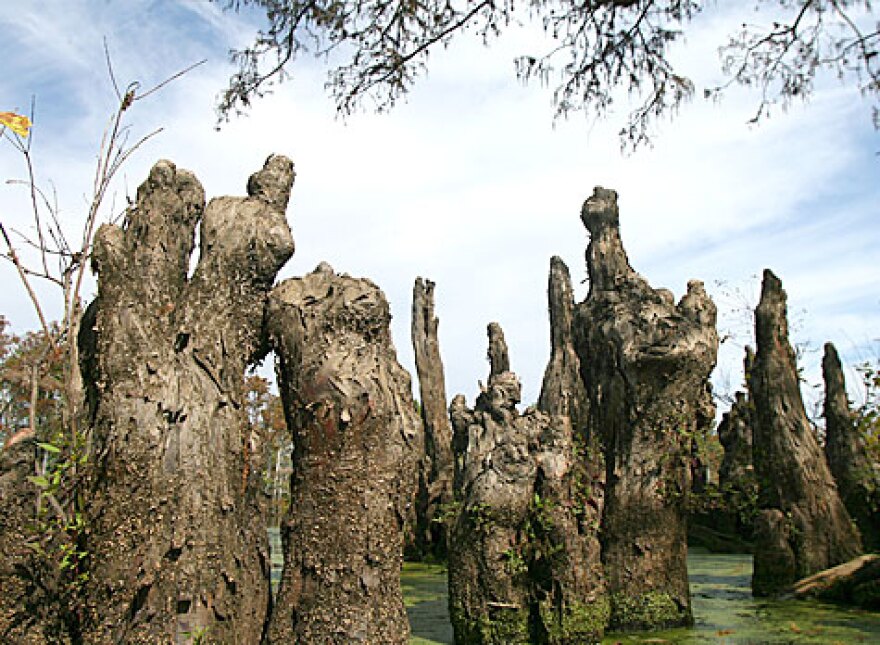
(724, 610)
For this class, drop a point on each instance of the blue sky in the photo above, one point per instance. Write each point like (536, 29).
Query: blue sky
(470, 182)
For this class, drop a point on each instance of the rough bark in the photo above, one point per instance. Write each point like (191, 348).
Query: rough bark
(736, 475)
(435, 478)
(488, 576)
(735, 434)
(573, 580)
(357, 443)
(705, 421)
(858, 480)
(645, 363)
(524, 563)
(802, 526)
(569, 598)
(176, 540)
(33, 610)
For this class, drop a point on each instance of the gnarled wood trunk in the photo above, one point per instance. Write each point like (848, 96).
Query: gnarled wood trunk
(735, 435)
(357, 441)
(569, 586)
(524, 562)
(736, 475)
(435, 477)
(802, 526)
(646, 363)
(858, 480)
(176, 538)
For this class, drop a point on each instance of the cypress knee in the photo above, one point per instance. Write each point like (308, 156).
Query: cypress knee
(569, 586)
(645, 363)
(736, 475)
(562, 390)
(357, 441)
(435, 478)
(802, 526)
(858, 480)
(494, 477)
(524, 565)
(176, 535)
(735, 434)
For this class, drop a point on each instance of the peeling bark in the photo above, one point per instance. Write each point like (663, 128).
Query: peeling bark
(357, 442)
(802, 525)
(435, 478)
(858, 480)
(176, 540)
(645, 363)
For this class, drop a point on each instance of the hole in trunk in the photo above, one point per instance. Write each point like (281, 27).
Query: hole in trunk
(140, 599)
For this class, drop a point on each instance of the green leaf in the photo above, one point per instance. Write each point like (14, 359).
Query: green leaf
(48, 447)
(40, 481)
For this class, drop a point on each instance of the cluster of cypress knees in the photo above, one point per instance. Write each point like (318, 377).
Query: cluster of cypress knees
(557, 522)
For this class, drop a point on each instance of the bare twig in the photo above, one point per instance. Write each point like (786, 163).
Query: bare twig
(27, 284)
(110, 71)
(170, 79)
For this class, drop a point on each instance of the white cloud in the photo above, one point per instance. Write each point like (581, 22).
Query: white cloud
(469, 182)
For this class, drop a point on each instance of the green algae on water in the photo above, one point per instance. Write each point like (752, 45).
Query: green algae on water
(725, 613)
(426, 599)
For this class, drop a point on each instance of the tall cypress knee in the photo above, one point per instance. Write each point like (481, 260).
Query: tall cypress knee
(176, 539)
(494, 479)
(562, 390)
(736, 474)
(802, 525)
(858, 480)
(645, 362)
(524, 562)
(435, 478)
(357, 441)
(569, 586)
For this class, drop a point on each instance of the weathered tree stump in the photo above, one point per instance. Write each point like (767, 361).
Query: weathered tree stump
(488, 574)
(645, 363)
(357, 442)
(802, 526)
(176, 539)
(524, 563)
(858, 480)
(435, 478)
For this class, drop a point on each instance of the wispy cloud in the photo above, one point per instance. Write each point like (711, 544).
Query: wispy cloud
(469, 182)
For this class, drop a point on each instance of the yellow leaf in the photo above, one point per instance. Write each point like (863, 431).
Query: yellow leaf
(16, 122)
